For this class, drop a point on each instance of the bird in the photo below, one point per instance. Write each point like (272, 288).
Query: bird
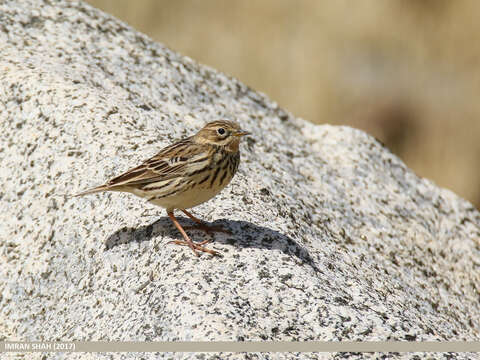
(185, 174)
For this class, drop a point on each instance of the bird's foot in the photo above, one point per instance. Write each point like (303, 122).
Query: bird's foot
(195, 246)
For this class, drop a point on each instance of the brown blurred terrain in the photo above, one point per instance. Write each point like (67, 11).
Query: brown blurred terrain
(406, 71)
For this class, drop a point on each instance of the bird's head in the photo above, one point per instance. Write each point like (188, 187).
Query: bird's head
(221, 133)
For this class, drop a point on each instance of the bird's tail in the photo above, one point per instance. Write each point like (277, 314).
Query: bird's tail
(93, 190)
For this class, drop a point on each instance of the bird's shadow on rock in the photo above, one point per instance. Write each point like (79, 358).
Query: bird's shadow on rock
(243, 234)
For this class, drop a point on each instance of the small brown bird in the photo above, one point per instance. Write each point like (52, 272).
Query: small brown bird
(185, 174)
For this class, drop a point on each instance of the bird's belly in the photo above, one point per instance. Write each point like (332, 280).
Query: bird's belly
(188, 198)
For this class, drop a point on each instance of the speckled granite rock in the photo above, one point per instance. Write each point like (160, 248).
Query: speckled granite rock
(334, 238)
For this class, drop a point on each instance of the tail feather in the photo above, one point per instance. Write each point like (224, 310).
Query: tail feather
(93, 190)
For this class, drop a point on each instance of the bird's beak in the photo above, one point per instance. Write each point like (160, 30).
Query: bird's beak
(242, 133)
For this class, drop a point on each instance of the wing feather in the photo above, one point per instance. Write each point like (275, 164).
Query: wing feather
(176, 160)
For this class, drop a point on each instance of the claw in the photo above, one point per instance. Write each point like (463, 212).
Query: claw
(194, 246)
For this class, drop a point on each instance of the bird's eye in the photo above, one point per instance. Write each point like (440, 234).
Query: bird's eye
(221, 131)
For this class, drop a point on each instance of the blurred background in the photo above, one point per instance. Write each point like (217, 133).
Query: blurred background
(405, 71)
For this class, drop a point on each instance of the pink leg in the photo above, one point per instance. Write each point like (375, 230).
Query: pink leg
(188, 242)
(202, 226)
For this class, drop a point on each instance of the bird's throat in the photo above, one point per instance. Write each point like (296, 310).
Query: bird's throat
(233, 146)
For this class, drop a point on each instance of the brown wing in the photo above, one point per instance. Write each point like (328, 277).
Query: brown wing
(176, 160)
(180, 159)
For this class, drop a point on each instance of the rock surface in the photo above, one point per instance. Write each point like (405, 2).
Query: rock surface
(334, 238)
